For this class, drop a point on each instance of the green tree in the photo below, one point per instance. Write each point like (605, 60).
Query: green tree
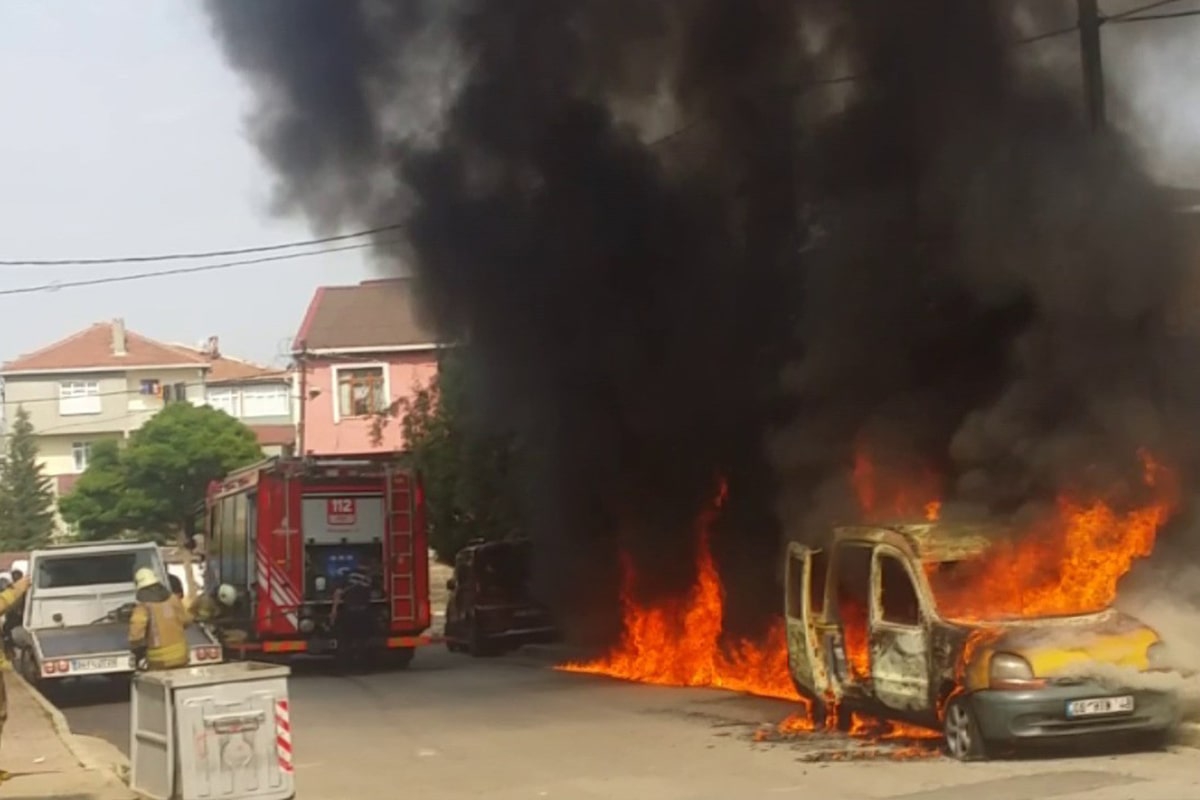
(100, 505)
(469, 490)
(26, 497)
(153, 486)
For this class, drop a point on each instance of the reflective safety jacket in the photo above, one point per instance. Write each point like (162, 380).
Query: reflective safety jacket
(158, 627)
(205, 608)
(9, 599)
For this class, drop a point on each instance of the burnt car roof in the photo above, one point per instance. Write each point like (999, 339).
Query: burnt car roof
(931, 541)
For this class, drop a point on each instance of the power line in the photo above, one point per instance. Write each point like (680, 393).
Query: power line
(193, 256)
(137, 276)
(1149, 17)
(1047, 35)
(1148, 7)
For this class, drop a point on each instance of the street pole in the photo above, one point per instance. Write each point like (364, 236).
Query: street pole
(302, 366)
(1093, 68)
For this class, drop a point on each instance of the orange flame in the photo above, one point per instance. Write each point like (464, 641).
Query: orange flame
(1069, 564)
(885, 494)
(679, 643)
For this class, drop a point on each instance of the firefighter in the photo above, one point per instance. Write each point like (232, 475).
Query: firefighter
(9, 598)
(351, 616)
(14, 616)
(156, 628)
(207, 608)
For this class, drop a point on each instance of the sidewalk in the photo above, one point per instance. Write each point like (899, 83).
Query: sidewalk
(34, 750)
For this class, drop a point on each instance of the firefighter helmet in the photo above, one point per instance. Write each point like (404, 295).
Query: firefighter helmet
(226, 595)
(145, 578)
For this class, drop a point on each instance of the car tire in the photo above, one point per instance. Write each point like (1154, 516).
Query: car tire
(1157, 741)
(480, 646)
(964, 741)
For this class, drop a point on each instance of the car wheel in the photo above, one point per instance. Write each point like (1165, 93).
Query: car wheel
(963, 739)
(480, 646)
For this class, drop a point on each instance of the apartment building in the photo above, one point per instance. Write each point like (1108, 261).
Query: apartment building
(100, 383)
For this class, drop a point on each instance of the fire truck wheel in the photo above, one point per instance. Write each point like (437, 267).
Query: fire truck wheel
(402, 657)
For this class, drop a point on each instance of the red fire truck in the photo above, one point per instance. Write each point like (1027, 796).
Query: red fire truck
(284, 531)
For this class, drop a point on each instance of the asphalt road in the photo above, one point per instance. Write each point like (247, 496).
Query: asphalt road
(452, 727)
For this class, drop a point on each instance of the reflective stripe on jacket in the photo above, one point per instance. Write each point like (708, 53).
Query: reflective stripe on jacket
(159, 627)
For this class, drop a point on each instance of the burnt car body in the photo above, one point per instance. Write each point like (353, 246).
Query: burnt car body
(865, 633)
(491, 609)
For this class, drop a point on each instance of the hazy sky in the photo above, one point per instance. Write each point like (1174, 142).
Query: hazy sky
(122, 134)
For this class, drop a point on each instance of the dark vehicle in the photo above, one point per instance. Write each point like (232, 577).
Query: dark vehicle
(491, 610)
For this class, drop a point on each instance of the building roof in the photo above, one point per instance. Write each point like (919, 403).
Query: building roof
(380, 314)
(223, 369)
(274, 435)
(94, 348)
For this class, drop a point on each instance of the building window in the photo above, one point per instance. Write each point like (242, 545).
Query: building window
(361, 391)
(151, 387)
(78, 397)
(266, 401)
(226, 400)
(175, 393)
(82, 451)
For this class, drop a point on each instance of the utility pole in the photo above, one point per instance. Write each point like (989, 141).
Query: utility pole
(1093, 68)
(302, 368)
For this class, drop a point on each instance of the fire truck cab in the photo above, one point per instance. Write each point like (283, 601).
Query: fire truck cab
(284, 532)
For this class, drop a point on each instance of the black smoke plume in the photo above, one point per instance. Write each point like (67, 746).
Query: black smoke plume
(735, 237)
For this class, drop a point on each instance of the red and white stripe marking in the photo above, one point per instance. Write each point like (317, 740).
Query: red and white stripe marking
(283, 735)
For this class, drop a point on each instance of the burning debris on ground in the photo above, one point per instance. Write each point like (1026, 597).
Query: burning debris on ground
(931, 290)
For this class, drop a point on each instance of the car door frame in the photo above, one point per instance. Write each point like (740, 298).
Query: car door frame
(900, 657)
(807, 661)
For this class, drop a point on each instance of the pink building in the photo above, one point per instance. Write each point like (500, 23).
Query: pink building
(359, 350)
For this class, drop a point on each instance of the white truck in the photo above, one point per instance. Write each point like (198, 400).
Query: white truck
(77, 609)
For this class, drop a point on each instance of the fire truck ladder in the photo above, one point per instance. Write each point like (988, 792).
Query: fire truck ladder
(400, 529)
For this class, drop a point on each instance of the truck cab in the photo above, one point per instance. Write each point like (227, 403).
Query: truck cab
(76, 616)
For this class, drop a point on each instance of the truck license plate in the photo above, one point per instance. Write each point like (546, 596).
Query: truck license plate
(1098, 706)
(94, 664)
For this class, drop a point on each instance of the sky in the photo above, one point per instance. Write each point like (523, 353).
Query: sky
(123, 134)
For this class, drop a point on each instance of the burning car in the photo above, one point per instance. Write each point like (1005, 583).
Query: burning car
(925, 623)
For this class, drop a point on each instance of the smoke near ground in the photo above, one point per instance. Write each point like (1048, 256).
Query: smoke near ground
(936, 258)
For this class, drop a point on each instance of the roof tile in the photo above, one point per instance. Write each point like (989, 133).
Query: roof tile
(92, 348)
(379, 313)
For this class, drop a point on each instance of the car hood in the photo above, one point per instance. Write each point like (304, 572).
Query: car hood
(1070, 646)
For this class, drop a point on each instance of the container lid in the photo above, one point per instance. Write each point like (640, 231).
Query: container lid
(231, 672)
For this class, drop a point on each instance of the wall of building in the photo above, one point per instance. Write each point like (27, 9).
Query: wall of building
(240, 395)
(122, 406)
(327, 431)
(56, 452)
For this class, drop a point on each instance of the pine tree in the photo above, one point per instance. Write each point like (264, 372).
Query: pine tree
(26, 499)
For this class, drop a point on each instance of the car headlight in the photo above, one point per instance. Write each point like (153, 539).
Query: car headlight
(1010, 671)
(1158, 656)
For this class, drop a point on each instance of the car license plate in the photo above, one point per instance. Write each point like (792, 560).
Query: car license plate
(94, 664)
(1098, 706)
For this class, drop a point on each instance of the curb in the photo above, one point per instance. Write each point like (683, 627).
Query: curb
(63, 729)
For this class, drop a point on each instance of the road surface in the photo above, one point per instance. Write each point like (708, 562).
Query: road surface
(453, 727)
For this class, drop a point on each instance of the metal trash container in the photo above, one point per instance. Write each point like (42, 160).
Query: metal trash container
(219, 732)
